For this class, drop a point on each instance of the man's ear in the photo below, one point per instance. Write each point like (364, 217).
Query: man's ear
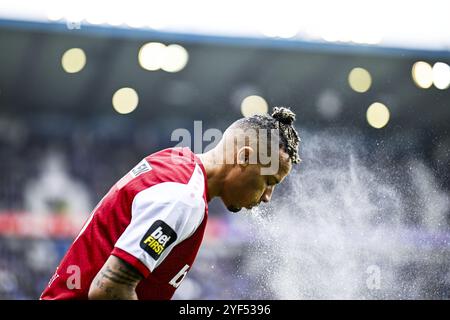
(243, 156)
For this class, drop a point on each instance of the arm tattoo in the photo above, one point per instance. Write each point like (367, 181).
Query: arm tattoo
(117, 279)
(120, 276)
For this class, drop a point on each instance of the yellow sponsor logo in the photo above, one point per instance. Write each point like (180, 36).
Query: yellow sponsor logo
(153, 244)
(157, 239)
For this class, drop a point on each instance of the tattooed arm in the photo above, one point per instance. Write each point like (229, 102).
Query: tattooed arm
(116, 280)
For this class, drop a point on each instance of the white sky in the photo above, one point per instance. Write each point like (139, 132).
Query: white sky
(398, 23)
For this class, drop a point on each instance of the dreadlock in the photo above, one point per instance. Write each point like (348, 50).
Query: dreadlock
(282, 120)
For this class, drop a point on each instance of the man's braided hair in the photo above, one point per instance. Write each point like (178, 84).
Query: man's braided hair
(281, 119)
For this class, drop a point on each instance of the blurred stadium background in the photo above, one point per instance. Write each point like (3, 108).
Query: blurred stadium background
(89, 88)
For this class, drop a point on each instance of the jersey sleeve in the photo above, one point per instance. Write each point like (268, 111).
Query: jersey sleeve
(162, 216)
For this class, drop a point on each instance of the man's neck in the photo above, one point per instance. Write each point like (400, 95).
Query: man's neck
(214, 173)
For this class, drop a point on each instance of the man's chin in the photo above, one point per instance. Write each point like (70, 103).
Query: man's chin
(234, 209)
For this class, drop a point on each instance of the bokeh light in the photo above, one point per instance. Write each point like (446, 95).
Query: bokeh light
(359, 80)
(151, 56)
(175, 58)
(377, 115)
(441, 75)
(422, 74)
(253, 105)
(125, 100)
(154, 56)
(73, 60)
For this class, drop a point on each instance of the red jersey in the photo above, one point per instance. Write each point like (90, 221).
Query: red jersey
(153, 218)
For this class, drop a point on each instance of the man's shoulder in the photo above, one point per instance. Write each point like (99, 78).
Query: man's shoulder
(173, 164)
(175, 155)
(176, 165)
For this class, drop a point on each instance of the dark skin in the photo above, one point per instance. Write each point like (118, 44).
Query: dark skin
(239, 185)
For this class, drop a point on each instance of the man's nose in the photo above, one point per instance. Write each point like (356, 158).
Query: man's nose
(267, 195)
